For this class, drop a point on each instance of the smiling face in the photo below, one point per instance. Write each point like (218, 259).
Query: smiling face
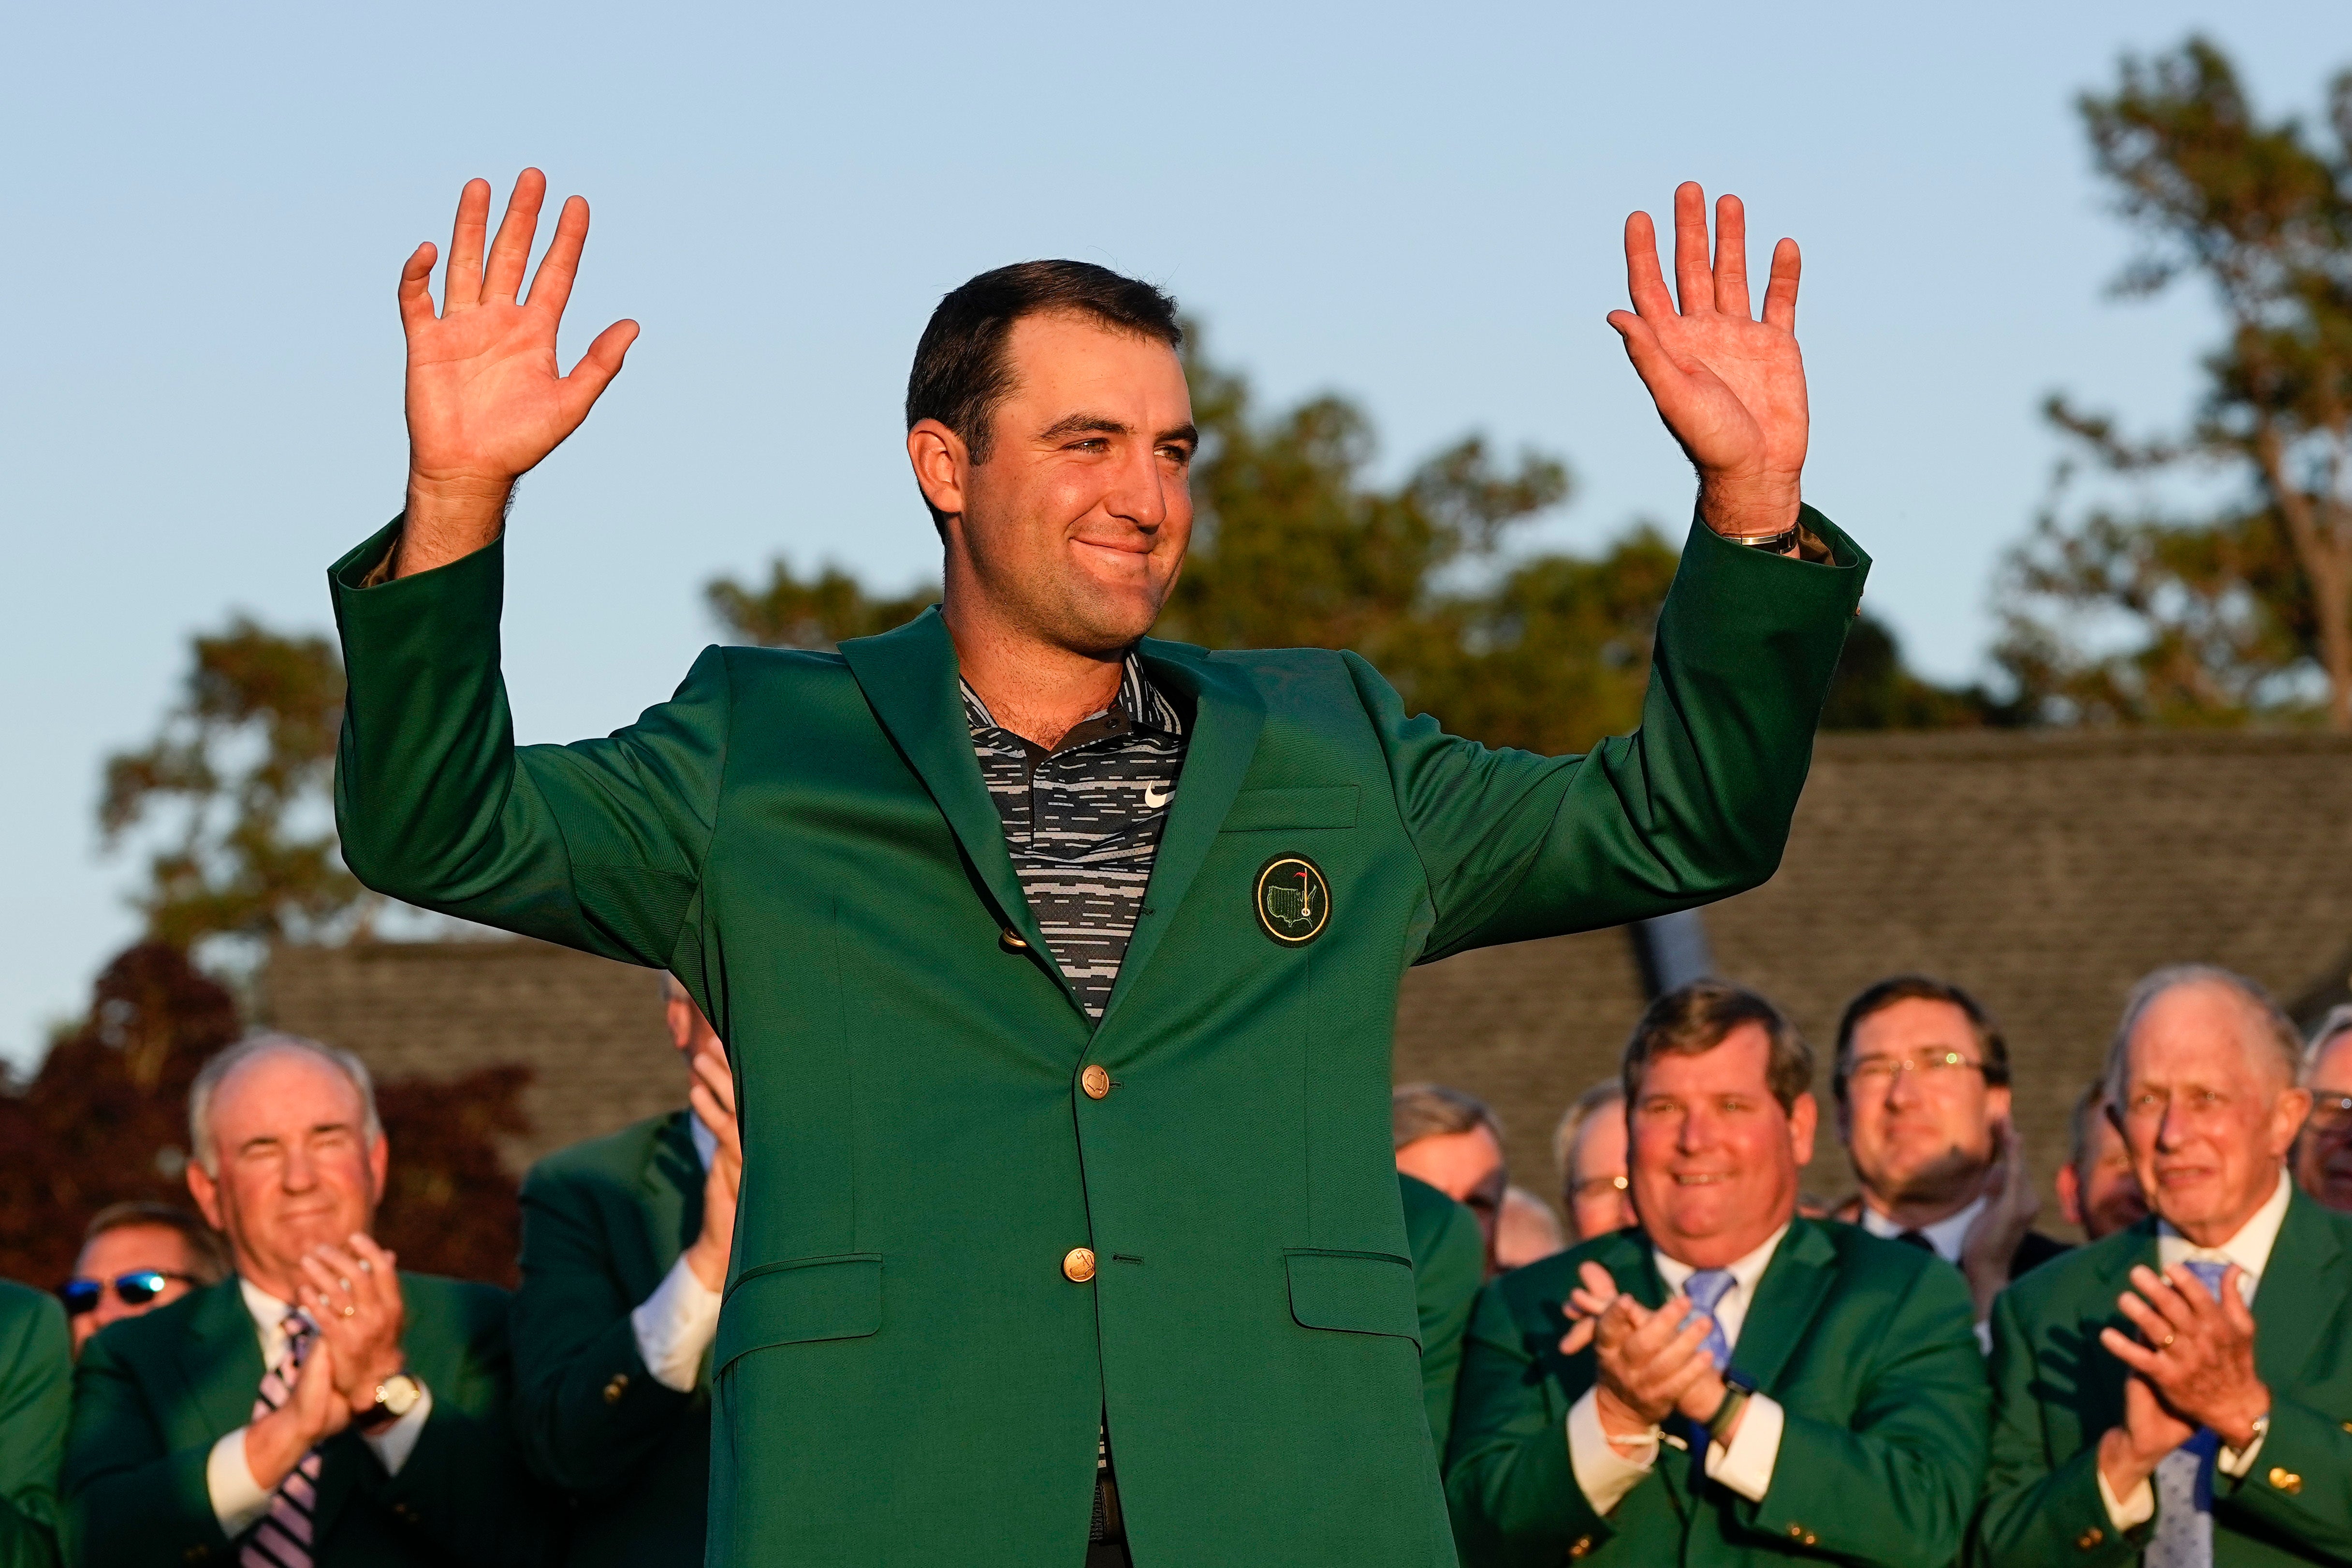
(1918, 1115)
(296, 1168)
(2208, 1110)
(1074, 530)
(1714, 1157)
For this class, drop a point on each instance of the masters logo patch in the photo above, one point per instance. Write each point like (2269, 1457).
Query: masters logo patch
(1293, 900)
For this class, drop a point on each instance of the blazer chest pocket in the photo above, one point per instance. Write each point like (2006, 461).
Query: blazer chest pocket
(1353, 1293)
(1260, 810)
(799, 1301)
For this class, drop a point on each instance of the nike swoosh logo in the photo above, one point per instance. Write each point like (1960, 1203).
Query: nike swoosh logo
(1154, 797)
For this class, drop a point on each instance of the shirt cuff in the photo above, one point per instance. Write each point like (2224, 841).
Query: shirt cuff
(675, 1326)
(2131, 1512)
(239, 1501)
(1604, 1472)
(1744, 1463)
(2233, 1464)
(397, 1442)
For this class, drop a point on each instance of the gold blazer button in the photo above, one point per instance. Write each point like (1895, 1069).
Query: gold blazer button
(1078, 1264)
(1094, 1081)
(1012, 941)
(2286, 1480)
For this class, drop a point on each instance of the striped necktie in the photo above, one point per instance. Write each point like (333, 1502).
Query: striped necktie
(2184, 1480)
(282, 1538)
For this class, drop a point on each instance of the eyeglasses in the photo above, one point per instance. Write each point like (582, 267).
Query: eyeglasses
(2331, 1116)
(135, 1289)
(1942, 1067)
(1598, 1187)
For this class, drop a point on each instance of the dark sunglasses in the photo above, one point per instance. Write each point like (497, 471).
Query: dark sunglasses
(135, 1289)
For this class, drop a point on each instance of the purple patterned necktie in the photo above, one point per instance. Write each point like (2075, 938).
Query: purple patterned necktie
(282, 1538)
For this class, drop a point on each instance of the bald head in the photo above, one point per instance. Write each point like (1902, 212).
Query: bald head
(2225, 1002)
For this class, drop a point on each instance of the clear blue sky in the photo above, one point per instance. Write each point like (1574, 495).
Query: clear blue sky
(207, 207)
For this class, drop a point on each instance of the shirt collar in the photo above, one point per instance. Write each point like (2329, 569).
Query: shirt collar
(1745, 1272)
(1945, 1235)
(1139, 700)
(2250, 1248)
(705, 1142)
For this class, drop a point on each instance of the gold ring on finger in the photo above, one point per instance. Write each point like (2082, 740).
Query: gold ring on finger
(2166, 1345)
(350, 1311)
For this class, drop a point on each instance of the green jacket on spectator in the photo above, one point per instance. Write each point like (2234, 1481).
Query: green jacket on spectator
(1449, 1264)
(35, 1393)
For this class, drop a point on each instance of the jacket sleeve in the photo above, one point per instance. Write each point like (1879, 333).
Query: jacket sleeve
(1896, 1480)
(36, 1396)
(597, 845)
(2300, 1488)
(1693, 807)
(1508, 1482)
(588, 1410)
(2040, 1507)
(126, 1498)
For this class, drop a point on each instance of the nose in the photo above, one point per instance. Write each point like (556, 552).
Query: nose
(1902, 1088)
(1140, 491)
(300, 1173)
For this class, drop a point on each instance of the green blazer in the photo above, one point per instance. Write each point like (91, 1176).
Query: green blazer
(36, 1391)
(153, 1393)
(1868, 1346)
(602, 1222)
(2055, 1391)
(915, 1353)
(1449, 1264)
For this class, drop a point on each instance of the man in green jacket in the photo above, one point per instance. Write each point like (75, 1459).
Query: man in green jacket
(317, 1409)
(1731, 1384)
(1006, 917)
(1449, 1264)
(36, 1391)
(624, 1246)
(2180, 1393)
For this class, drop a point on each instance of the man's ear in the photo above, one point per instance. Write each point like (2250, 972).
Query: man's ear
(1804, 1121)
(2288, 1113)
(1998, 1104)
(207, 1192)
(940, 460)
(379, 1161)
(2070, 1194)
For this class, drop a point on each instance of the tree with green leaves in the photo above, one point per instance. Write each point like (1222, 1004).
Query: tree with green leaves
(235, 786)
(2244, 613)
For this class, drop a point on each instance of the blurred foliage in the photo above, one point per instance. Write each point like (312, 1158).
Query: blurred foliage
(2134, 616)
(105, 1119)
(236, 785)
(1297, 544)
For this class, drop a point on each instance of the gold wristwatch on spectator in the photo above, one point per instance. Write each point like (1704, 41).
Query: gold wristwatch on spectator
(395, 1396)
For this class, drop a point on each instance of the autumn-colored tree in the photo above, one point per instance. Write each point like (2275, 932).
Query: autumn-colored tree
(1295, 545)
(2246, 612)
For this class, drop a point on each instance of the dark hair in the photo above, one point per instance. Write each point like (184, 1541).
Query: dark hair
(1920, 989)
(960, 375)
(1693, 1020)
(208, 1260)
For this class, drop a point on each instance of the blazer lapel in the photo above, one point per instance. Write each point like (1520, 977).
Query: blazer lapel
(2303, 1287)
(220, 1359)
(1795, 1283)
(908, 677)
(670, 1191)
(1227, 716)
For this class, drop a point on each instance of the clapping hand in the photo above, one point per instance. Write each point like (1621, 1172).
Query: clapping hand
(1730, 388)
(712, 1096)
(2199, 1355)
(486, 398)
(2012, 1206)
(353, 1294)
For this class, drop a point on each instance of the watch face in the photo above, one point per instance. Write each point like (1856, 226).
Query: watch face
(399, 1393)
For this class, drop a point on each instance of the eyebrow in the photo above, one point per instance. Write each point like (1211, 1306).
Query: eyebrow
(1104, 424)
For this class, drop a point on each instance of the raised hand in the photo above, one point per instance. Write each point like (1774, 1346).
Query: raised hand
(2012, 1205)
(487, 400)
(2130, 1454)
(2199, 1355)
(1592, 1296)
(1730, 388)
(712, 1096)
(1646, 1364)
(353, 1295)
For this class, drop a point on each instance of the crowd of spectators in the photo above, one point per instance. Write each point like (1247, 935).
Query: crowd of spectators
(1696, 1361)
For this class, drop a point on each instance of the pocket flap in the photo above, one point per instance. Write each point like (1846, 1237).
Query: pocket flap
(1333, 806)
(797, 1302)
(1354, 1292)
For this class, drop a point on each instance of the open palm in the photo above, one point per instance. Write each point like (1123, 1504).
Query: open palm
(487, 400)
(1730, 388)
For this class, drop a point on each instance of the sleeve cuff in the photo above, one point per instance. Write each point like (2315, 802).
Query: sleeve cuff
(1744, 1464)
(2126, 1513)
(674, 1326)
(239, 1502)
(1604, 1473)
(397, 1442)
(2233, 1464)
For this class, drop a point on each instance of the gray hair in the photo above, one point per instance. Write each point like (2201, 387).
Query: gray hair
(2337, 1021)
(1418, 1110)
(2277, 1030)
(215, 1071)
(1582, 1109)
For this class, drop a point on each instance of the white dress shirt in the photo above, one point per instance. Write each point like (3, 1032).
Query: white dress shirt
(1605, 1472)
(678, 1322)
(239, 1500)
(2250, 1249)
(1944, 1236)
